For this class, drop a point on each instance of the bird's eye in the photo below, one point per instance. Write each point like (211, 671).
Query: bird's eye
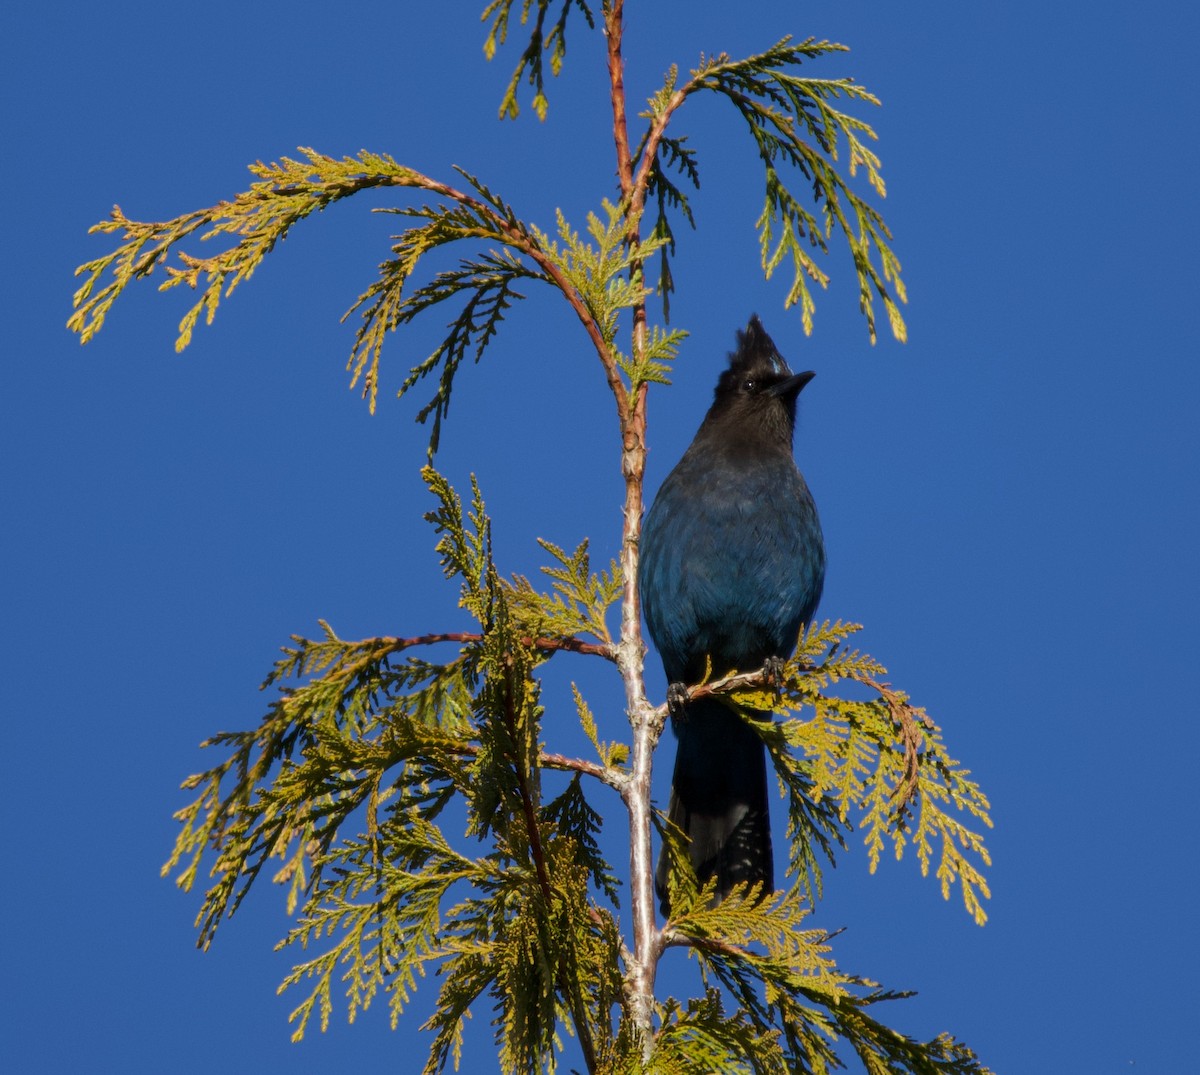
(748, 385)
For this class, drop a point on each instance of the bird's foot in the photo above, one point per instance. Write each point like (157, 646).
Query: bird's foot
(773, 669)
(677, 698)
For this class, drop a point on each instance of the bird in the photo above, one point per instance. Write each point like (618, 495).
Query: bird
(731, 566)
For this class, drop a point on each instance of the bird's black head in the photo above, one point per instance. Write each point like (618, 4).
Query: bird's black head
(759, 389)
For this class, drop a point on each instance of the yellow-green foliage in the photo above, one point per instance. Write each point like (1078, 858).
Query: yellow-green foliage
(257, 219)
(795, 130)
(879, 761)
(345, 783)
(347, 779)
(793, 126)
(554, 42)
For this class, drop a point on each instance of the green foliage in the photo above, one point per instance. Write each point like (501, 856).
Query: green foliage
(600, 280)
(404, 785)
(258, 218)
(579, 601)
(347, 779)
(605, 276)
(792, 1006)
(486, 282)
(674, 154)
(795, 128)
(880, 758)
(530, 63)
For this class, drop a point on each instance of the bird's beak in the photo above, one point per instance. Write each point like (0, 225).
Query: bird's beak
(790, 388)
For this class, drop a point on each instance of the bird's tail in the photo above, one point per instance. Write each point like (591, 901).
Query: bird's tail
(719, 799)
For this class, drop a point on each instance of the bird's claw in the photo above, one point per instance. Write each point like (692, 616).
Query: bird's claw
(677, 699)
(773, 669)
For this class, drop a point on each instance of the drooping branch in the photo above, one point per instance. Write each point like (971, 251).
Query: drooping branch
(384, 644)
(882, 760)
(288, 192)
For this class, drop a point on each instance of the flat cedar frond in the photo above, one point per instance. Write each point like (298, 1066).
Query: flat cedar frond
(656, 358)
(673, 154)
(579, 602)
(701, 1038)
(257, 219)
(684, 890)
(797, 133)
(573, 818)
(487, 283)
(880, 764)
(545, 953)
(779, 975)
(612, 754)
(883, 1050)
(768, 931)
(505, 775)
(382, 951)
(553, 41)
(780, 109)
(290, 191)
(346, 783)
(465, 553)
(791, 997)
(605, 275)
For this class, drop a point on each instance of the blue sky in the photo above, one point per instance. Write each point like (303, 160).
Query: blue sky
(1009, 500)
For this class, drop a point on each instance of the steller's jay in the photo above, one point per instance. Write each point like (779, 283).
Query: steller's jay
(732, 565)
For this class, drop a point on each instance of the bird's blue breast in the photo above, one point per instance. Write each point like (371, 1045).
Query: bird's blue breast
(732, 563)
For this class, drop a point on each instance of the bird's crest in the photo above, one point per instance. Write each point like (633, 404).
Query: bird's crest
(756, 349)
